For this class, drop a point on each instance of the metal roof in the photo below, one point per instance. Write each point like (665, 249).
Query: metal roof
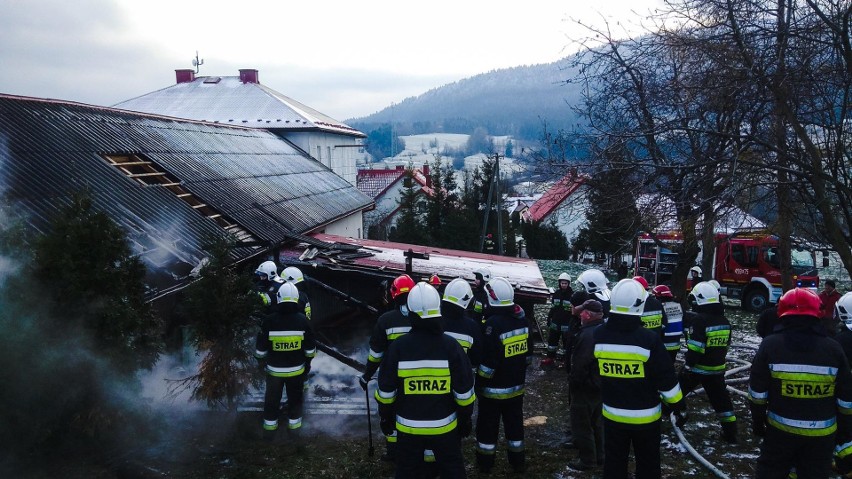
(51, 149)
(388, 258)
(230, 101)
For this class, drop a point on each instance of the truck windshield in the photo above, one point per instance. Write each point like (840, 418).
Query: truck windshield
(802, 258)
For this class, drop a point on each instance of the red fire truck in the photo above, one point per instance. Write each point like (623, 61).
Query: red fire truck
(746, 265)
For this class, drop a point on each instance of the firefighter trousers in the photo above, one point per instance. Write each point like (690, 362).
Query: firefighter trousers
(491, 411)
(275, 387)
(717, 394)
(445, 447)
(781, 451)
(645, 440)
(587, 425)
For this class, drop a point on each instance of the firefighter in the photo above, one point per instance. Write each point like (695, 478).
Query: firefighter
(695, 277)
(635, 374)
(425, 391)
(653, 314)
(456, 321)
(480, 297)
(674, 319)
(285, 347)
(559, 321)
(584, 389)
(294, 275)
(801, 387)
(389, 327)
(595, 283)
(266, 284)
(843, 314)
(501, 379)
(704, 363)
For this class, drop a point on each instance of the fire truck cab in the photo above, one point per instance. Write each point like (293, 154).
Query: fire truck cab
(746, 265)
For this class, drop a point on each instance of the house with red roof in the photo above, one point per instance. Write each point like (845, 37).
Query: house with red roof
(386, 186)
(243, 101)
(563, 204)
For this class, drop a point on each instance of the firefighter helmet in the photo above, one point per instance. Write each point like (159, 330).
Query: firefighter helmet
(716, 285)
(662, 291)
(288, 293)
(593, 280)
(267, 270)
(500, 292)
(704, 293)
(628, 297)
(641, 280)
(696, 269)
(565, 277)
(401, 285)
(293, 275)
(843, 309)
(799, 301)
(458, 292)
(482, 274)
(435, 280)
(424, 300)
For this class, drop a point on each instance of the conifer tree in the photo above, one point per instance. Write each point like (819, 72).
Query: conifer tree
(409, 227)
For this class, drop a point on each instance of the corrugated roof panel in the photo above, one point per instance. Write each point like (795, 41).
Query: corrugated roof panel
(50, 149)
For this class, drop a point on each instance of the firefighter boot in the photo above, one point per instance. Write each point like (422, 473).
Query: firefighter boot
(729, 432)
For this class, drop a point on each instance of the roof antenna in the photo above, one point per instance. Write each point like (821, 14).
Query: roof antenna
(197, 63)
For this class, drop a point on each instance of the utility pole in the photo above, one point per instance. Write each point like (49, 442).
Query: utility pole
(493, 187)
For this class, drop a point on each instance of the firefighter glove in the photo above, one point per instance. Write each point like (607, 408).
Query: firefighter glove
(363, 382)
(388, 426)
(465, 426)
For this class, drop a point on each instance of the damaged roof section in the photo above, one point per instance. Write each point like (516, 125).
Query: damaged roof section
(169, 183)
(388, 258)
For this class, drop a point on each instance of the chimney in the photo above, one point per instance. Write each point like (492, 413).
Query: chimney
(185, 76)
(249, 75)
(426, 174)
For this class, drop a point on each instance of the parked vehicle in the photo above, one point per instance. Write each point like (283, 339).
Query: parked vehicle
(746, 265)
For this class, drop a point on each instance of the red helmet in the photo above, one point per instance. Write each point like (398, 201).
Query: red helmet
(641, 281)
(401, 285)
(435, 280)
(662, 291)
(799, 301)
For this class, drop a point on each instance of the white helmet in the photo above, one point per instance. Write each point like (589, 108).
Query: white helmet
(716, 285)
(593, 280)
(628, 297)
(267, 270)
(293, 275)
(288, 293)
(843, 309)
(565, 277)
(500, 292)
(704, 293)
(458, 292)
(424, 300)
(696, 269)
(482, 274)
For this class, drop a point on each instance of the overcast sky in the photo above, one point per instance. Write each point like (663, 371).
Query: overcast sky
(344, 58)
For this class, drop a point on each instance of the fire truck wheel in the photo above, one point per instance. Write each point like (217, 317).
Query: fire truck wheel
(756, 301)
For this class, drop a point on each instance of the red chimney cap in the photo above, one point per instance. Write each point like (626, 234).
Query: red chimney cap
(185, 75)
(249, 75)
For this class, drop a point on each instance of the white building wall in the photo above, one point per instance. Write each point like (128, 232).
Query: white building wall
(338, 152)
(570, 216)
(351, 226)
(385, 204)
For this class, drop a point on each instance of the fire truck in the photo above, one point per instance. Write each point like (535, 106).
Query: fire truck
(746, 265)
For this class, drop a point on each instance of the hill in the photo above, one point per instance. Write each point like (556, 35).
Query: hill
(513, 101)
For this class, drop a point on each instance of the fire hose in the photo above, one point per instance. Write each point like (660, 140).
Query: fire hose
(695, 453)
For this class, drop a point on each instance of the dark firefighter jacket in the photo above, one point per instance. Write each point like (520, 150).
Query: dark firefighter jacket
(844, 337)
(800, 383)
(709, 337)
(389, 327)
(654, 316)
(674, 324)
(268, 293)
(426, 381)
(479, 305)
(636, 371)
(584, 373)
(285, 342)
(559, 315)
(456, 323)
(503, 371)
